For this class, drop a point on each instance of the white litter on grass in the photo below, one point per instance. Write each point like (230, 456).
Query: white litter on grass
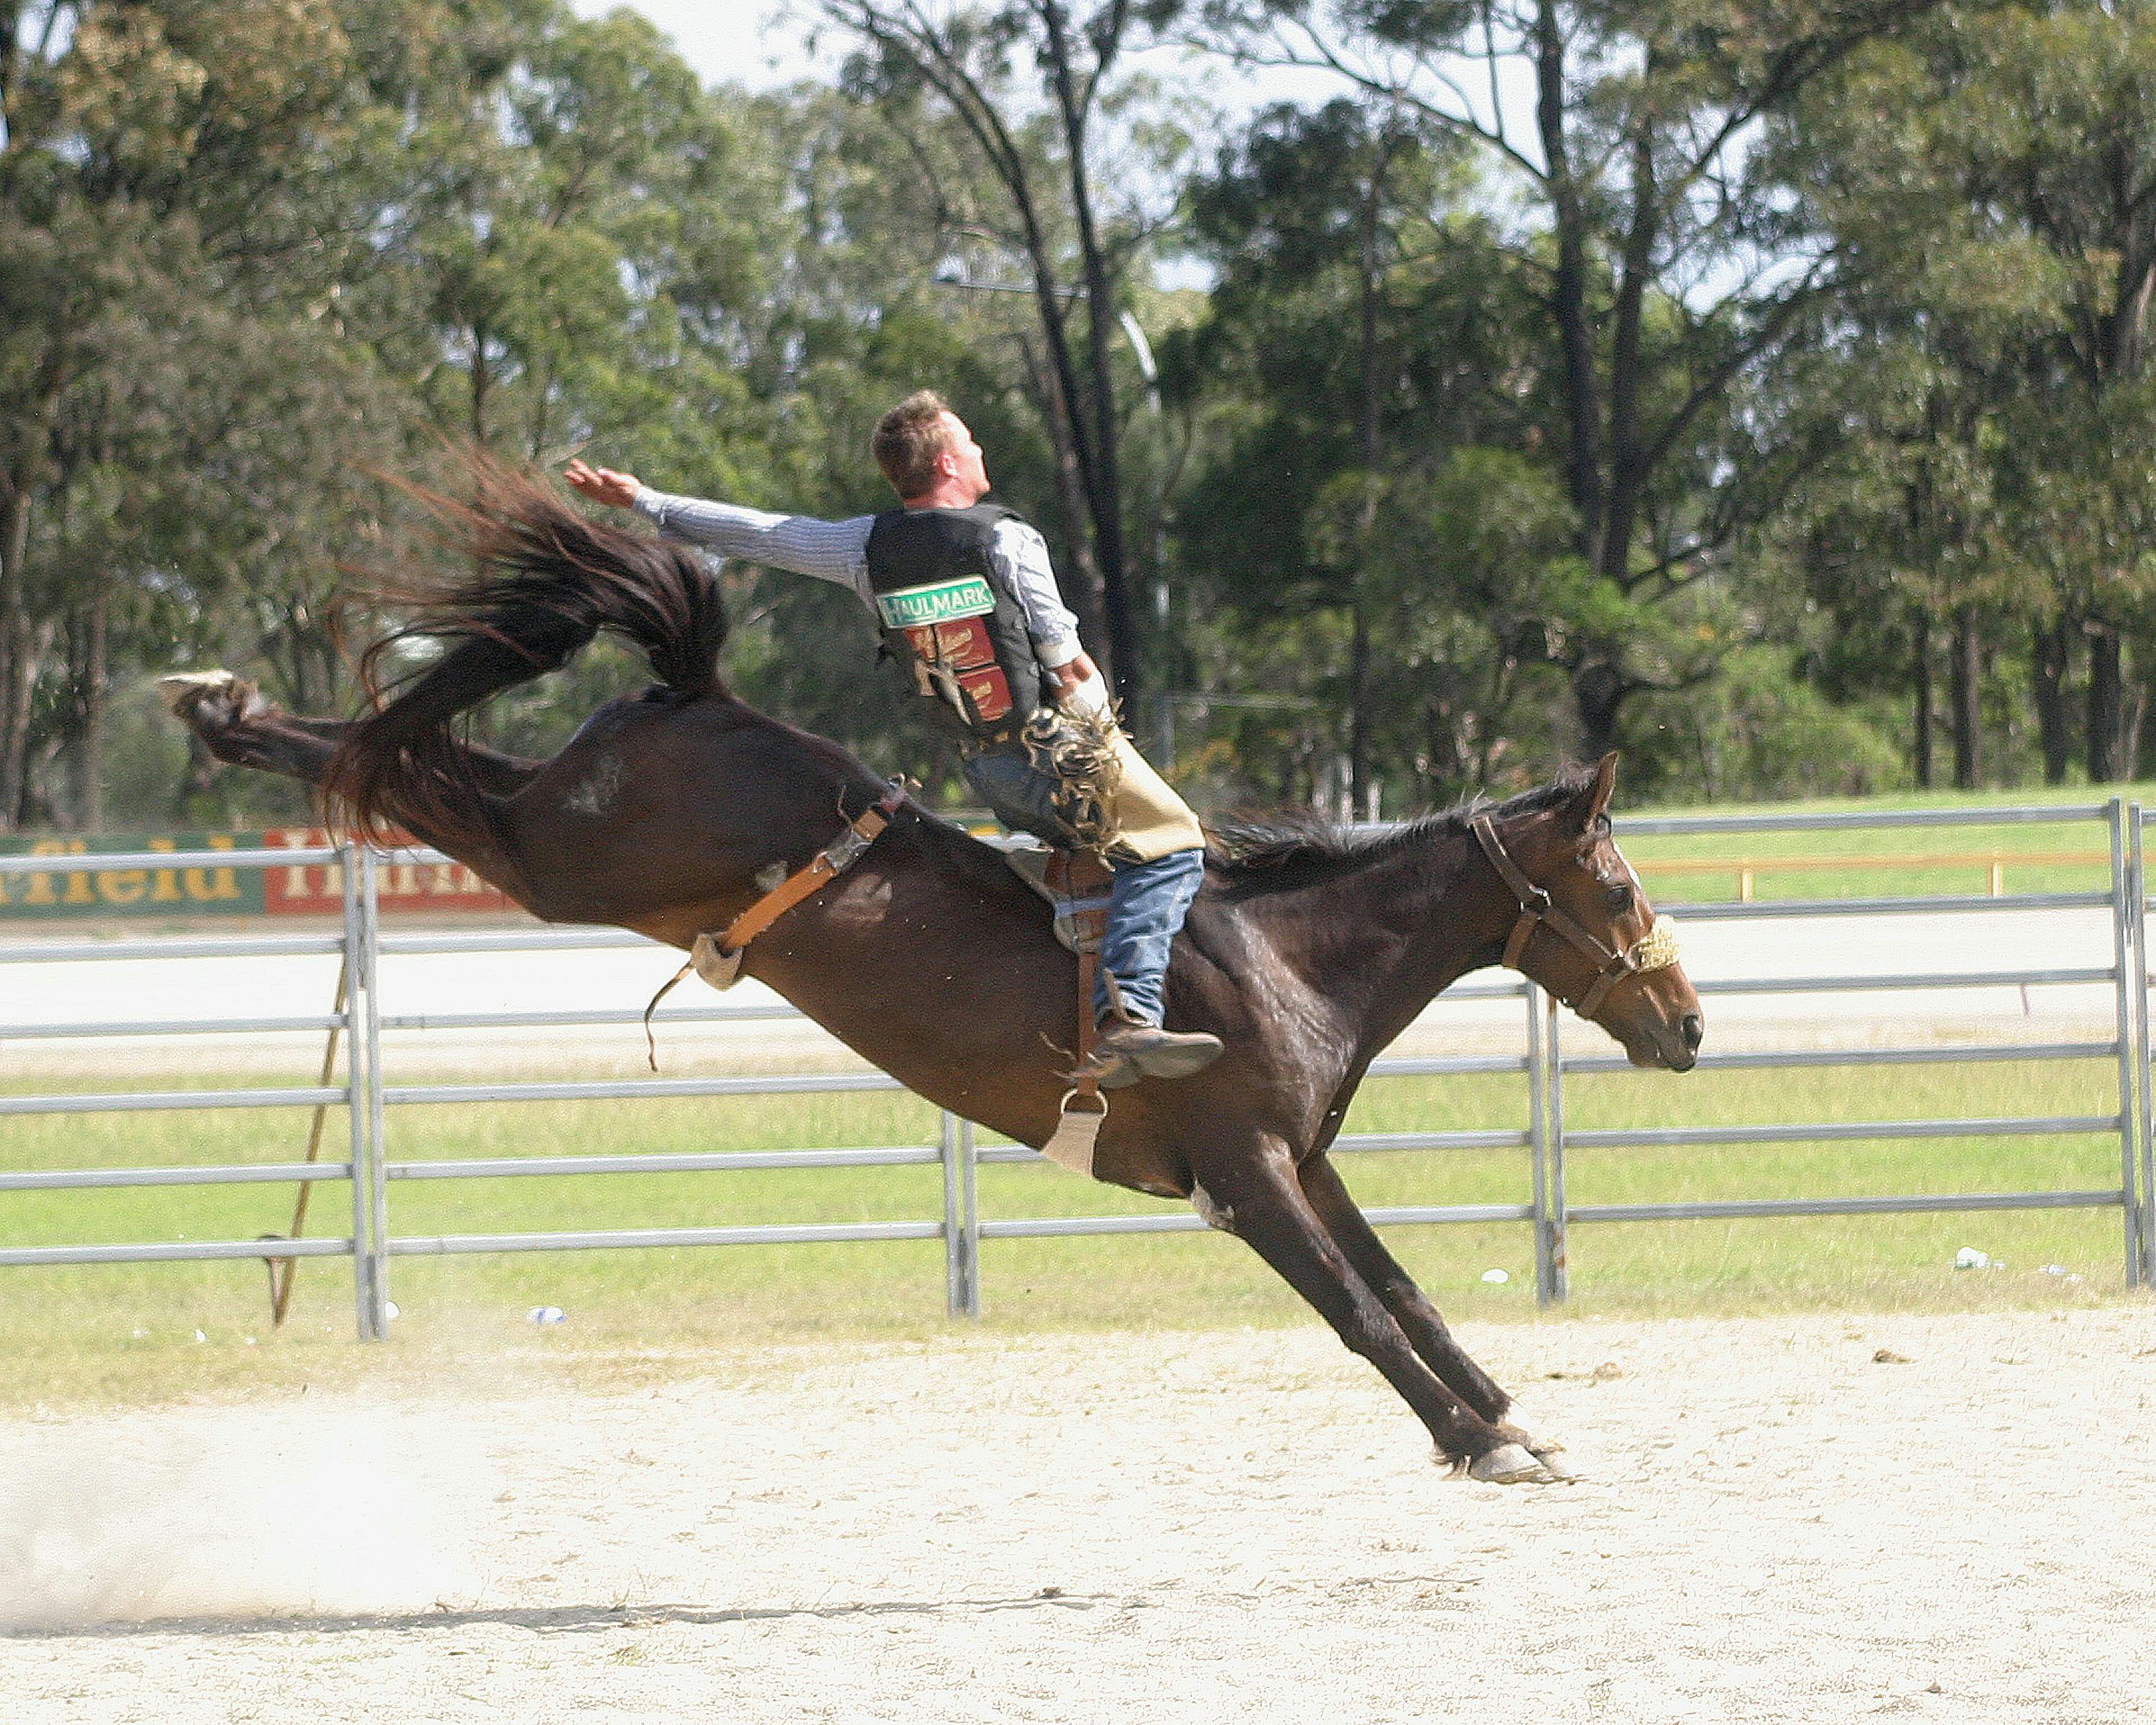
(1969, 1258)
(546, 1315)
(1496, 1275)
(2059, 1270)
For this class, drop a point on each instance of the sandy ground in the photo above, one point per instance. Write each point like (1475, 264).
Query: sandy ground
(1801, 1519)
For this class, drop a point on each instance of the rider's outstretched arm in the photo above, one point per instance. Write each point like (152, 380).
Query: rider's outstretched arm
(831, 551)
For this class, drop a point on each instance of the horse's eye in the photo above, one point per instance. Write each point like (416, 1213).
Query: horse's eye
(1619, 900)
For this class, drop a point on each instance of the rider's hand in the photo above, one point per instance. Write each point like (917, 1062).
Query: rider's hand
(603, 485)
(1073, 676)
(1078, 686)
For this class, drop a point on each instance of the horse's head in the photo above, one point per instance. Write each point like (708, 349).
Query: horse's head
(1585, 930)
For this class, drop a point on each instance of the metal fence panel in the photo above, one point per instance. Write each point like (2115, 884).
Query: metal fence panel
(368, 1097)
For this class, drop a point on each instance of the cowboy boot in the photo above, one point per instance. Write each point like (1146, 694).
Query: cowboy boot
(1127, 1050)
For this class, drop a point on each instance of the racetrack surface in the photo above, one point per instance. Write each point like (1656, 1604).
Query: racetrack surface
(1810, 1519)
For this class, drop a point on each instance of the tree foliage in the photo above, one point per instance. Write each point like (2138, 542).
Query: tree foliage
(1759, 389)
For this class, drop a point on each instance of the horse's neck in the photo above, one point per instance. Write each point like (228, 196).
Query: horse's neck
(1385, 940)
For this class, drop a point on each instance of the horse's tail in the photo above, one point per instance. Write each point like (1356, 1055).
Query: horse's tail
(545, 581)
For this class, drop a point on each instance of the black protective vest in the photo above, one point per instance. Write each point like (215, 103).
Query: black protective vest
(948, 616)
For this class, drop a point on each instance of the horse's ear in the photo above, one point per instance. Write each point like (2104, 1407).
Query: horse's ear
(1595, 804)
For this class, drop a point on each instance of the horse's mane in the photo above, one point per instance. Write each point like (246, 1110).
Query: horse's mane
(1282, 851)
(539, 580)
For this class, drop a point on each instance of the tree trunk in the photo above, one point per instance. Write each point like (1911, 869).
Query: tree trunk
(1104, 487)
(1081, 581)
(2105, 703)
(1627, 463)
(1966, 680)
(481, 387)
(1597, 691)
(2048, 688)
(90, 743)
(1921, 670)
(1568, 286)
(16, 674)
(1368, 445)
(2131, 727)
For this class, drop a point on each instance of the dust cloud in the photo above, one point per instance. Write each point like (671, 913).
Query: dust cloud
(232, 1512)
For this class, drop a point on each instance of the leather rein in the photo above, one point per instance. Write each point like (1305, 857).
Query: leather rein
(1655, 950)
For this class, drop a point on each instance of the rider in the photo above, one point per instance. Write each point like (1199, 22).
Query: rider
(966, 596)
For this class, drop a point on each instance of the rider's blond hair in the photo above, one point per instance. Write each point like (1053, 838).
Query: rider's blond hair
(909, 438)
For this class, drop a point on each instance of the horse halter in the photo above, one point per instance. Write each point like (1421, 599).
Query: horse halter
(1655, 950)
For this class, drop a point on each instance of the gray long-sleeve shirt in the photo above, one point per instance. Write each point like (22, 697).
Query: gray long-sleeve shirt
(838, 550)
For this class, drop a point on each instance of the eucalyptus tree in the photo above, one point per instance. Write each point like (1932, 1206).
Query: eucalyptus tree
(1668, 269)
(1061, 184)
(176, 183)
(1996, 172)
(1325, 224)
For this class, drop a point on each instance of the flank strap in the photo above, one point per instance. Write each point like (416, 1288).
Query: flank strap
(718, 959)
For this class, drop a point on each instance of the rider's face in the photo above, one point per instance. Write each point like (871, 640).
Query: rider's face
(970, 467)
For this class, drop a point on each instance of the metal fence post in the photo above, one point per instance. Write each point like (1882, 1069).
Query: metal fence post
(377, 1176)
(2141, 1201)
(360, 1167)
(1559, 1249)
(1539, 1145)
(2122, 946)
(962, 1260)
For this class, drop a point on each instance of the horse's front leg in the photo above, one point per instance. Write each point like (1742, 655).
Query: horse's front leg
(1411, 1308)
(1256, 1196)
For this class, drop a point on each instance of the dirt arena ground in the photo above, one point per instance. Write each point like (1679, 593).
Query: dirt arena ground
(1801, 1519)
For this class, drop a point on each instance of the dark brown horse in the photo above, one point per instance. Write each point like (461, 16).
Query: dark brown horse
(1307, 951)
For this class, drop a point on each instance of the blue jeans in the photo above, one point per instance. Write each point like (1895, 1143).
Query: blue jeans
(1146, 902)
(1145, 906)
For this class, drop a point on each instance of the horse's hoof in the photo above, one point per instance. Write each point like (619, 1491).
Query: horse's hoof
(1545, 1450)
(1510, 1464)
(193, 696)
(181, 689)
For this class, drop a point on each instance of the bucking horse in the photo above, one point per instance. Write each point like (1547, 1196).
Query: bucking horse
(671, 811)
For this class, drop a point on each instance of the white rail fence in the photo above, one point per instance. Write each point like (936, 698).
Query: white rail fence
(367, 1097)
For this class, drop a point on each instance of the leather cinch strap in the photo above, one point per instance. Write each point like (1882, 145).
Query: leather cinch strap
(1078, 879)
(833, 860)
(1655, 950)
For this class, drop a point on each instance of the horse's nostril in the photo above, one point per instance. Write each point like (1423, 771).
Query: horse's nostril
(1694, 1031)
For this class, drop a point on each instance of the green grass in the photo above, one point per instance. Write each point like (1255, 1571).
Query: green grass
(127, 1332)
(104, 1332)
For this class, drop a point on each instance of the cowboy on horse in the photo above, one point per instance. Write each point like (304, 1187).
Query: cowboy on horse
(671, 809)
(968, 603)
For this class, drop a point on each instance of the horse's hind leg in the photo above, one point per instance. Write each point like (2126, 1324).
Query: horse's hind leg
(238, 724)
(1259, 1199)
(1418, 1320)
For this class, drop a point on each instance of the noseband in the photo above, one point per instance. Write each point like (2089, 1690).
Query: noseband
(1655, 950)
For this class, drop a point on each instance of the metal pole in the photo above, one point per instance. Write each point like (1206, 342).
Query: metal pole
(355, 966)
(2140, 1203)
(280, 1287)
(962, 1221)
(2121, 951)
(1560, 1268)
(1538, 1146)
(970, 1164)
(377, 1237)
